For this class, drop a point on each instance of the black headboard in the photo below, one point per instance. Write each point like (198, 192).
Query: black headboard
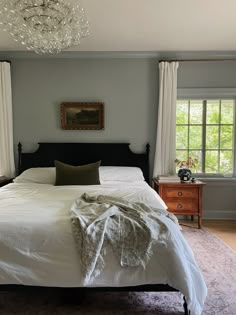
(110, 154)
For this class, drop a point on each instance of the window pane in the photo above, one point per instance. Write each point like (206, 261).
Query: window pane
(226, 162)
(182, 156)
(196, 155)
(227, 112)
(182, 112)
(212, 112)
(211, 162)
(195, 137)
(181, 137)
(226, 137)
(212, 137)
(196, 112)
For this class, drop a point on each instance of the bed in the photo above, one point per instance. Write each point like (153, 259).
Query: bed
(36, 242)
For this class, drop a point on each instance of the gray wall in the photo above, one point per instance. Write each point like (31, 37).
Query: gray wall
(213, 74)
(129, 89)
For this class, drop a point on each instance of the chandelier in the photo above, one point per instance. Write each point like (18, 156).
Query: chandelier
(45, 26)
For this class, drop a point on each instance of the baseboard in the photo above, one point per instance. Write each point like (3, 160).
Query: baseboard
(219, 215)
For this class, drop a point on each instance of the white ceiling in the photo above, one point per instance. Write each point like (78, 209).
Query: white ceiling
(154, 25)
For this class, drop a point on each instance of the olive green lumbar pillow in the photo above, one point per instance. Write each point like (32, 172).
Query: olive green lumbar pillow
(77, 175)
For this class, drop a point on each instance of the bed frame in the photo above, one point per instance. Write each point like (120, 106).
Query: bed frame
(110, 154)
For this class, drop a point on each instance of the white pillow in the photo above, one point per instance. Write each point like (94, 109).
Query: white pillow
(120, 173)
(39, 175)
(47, 175)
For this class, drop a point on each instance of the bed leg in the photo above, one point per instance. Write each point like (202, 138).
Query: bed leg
(186, 312)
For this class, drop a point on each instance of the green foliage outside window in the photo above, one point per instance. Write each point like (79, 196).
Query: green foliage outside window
(205, 131)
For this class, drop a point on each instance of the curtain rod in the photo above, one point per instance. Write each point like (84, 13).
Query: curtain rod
(5, 61)
(197, 60)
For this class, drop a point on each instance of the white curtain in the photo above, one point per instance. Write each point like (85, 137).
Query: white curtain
(165, 141)
(7, 167)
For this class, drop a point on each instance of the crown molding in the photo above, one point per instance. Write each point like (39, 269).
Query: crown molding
(158, 55)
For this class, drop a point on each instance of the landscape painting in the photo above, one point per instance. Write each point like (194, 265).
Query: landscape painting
(82, 116)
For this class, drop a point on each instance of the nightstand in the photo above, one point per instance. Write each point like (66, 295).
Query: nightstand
(5, 180)
(182, 198)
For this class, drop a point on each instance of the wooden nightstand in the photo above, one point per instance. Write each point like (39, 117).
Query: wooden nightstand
(182, 198)
(5, 180)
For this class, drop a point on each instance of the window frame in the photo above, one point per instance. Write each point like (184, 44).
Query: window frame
(212, 94)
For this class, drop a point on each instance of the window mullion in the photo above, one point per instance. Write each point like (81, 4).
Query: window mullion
(188, 128)
(219, 133)
(204, 136)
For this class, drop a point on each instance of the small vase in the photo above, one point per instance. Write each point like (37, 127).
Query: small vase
(184, 174)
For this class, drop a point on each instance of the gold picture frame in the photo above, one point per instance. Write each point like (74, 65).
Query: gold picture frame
(82, 116)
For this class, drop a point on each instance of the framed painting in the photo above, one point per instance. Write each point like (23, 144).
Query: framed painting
(82, 116)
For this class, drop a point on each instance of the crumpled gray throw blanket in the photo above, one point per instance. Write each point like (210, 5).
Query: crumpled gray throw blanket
(104, 222)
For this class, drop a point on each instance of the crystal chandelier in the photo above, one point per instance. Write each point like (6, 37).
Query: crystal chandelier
(45, 26)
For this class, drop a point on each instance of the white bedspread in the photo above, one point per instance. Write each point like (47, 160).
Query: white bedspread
(37, 246)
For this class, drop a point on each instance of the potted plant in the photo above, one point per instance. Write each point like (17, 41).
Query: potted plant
(185, 172)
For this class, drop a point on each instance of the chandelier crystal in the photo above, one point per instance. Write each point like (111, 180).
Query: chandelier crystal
(45, 26)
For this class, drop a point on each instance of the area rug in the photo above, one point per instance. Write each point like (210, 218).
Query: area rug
(216, 260)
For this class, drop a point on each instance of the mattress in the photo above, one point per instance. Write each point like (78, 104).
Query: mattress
(37, 246)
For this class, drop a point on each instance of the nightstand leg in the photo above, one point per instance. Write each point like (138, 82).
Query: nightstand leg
(192, 217)
(199, 222)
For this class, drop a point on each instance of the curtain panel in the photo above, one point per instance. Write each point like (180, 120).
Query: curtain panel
(166, 127)
(7, 165)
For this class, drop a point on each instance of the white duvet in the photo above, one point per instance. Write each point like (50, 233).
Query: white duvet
(37, 246)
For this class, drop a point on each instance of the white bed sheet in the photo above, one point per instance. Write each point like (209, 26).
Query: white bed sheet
(37, 246)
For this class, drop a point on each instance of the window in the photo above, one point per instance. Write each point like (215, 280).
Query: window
(205, 130)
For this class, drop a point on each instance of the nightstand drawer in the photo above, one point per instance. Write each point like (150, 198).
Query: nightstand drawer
(190, 205)
(180, 192)
(182, 198)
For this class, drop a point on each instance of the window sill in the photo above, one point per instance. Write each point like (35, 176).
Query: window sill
(216, 178)
(218, 181)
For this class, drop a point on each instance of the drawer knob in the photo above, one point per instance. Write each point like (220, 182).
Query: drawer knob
(179, 206)
(180, 193)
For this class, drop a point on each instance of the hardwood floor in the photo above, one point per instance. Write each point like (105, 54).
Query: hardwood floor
(224, 229)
